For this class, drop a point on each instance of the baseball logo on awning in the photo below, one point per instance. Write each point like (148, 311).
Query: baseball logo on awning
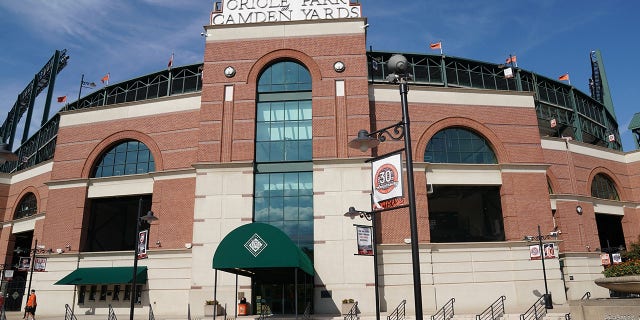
(255, 245)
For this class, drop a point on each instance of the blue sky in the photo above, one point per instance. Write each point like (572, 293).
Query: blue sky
(130, 38)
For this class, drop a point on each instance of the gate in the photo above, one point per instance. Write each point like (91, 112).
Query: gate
(15, 291)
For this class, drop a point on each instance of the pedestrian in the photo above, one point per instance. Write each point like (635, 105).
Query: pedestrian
(31, 306)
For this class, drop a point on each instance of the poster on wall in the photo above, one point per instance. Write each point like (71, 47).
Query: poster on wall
(142, 244)
(387, 184)
(365, 240)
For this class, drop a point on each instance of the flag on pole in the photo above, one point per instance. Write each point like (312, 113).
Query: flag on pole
(564, 77)
(435, 45)
(105, 79)
(62, 99)
(511, 59)
(170, 64)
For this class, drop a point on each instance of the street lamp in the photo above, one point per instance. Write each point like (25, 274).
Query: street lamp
(369, 216)
(399, 73)
(149, 217)
(548, 302)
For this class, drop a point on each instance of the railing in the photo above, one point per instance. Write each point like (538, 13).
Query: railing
(307, 312)
(567, 316)
(399, 312)
(151, 316)
(353, 313)
(536, 311)
(494, 311)
(446, 312)
(68, 313)
(586, 296)
(112, 314)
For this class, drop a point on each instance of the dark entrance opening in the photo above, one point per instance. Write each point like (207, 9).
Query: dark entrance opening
(277, 292)
(465, 214)
(610, 232)
(112, 223)
(15, 288)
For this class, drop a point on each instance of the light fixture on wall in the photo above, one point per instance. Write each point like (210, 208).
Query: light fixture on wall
(229, 72)
(339, 66)
(579, 209)
(158, 243)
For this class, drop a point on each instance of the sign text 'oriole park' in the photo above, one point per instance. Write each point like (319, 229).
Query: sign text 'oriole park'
(257, 11)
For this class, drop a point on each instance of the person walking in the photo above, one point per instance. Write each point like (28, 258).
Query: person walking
(31, 306)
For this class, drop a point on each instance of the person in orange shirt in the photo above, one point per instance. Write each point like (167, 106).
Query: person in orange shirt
(31, 306)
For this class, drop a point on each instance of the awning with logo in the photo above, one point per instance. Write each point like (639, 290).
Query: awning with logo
(104, 275)
(256, 248)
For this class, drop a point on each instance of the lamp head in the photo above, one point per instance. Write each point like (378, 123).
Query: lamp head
(398, 64)
(352, 212)
(364, 141)
(149, 217)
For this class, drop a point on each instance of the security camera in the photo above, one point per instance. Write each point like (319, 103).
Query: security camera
(187, 245)
(365, 26)
(59, 251)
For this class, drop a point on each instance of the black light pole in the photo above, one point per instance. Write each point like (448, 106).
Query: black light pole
(149, 217)
(369, 216)
(398, 68)
(548, 301)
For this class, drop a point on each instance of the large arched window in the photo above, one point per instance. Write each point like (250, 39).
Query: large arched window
(283, 194)
(459, 145)
(28, 206)
(603, 187)
(128, 157)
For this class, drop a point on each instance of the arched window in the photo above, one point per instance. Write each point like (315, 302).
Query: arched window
(603, 187)
(459, 145)
(283, 194)
(28, 206)
(128, 157)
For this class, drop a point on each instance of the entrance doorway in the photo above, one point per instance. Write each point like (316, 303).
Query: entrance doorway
(610, 232)
(279, 297)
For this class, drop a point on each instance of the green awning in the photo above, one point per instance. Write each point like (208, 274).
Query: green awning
(105, 275)
(259, 247)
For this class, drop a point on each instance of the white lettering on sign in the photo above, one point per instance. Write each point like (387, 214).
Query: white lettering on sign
(256, 11)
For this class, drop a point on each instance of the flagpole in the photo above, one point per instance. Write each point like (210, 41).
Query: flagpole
(80, 91)
(441, 48)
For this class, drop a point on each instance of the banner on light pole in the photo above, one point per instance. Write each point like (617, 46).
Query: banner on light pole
(387, 182)
(365, 240)
(143, 238)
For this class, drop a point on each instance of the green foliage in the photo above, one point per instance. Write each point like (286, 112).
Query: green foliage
(627, 268)
(633, 252)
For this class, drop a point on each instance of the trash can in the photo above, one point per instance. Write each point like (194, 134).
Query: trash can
(242, 309)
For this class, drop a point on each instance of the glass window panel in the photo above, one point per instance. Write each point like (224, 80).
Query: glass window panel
(108, 158)
(276, 151)
(262, 152)
(291, 150)
(261, 212)
(306, 183)
(306, 150)
(276, 208)
(143, 156)
(120, 158)
(262, 131)
(142, 168)
(118, 170)
(132, 157)
(276, 131)
(305, 205)
(458, 145)
(291, 131)
(121, 147)
(264, 112)
(276, 184)
(291, 184)
(292, 111)
(277, 73)
(291, 229)
(305, 131)
(130, 168)
(291, 208)
(277, 111)
(107, 171)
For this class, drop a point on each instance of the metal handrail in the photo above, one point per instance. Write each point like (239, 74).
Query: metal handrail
(446, 312)
(353, 313)
(307, 312)
(493, 311)
(112, 314)
(536, 311)
(68, 313)
(151, 315)
(399, 312)
(567, 316)
(586, 296)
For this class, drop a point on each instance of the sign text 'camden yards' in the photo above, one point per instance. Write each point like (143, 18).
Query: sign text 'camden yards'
(256, 11)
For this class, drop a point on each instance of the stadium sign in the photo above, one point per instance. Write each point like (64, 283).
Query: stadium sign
(257, 11)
